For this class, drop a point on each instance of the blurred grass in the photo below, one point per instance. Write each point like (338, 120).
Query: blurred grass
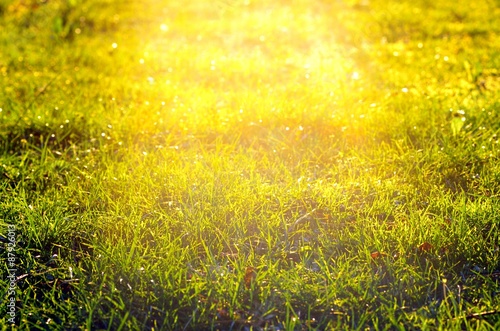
(238, 165)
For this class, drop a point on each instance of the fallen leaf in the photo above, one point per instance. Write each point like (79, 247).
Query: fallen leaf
(425, 247)
(250, 275)
(444, 250)
(222, 313)
(377, 255)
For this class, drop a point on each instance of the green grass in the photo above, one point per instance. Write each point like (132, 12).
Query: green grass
(251, 165)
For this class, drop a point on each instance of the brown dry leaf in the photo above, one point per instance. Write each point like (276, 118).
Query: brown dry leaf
(376, 255)
(446, 223)
(250, 275)
(222, 313)
(425, 247)
(444, 250)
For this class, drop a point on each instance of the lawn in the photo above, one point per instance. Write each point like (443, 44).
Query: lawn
(250, 165)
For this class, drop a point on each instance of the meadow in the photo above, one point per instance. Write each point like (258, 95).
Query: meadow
(250, 165)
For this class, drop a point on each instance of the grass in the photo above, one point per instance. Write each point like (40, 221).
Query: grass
(250, 165)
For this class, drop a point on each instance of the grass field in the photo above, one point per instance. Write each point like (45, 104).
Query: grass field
(250, 165)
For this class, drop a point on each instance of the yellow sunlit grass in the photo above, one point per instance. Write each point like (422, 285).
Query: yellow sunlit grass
(219, 67)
